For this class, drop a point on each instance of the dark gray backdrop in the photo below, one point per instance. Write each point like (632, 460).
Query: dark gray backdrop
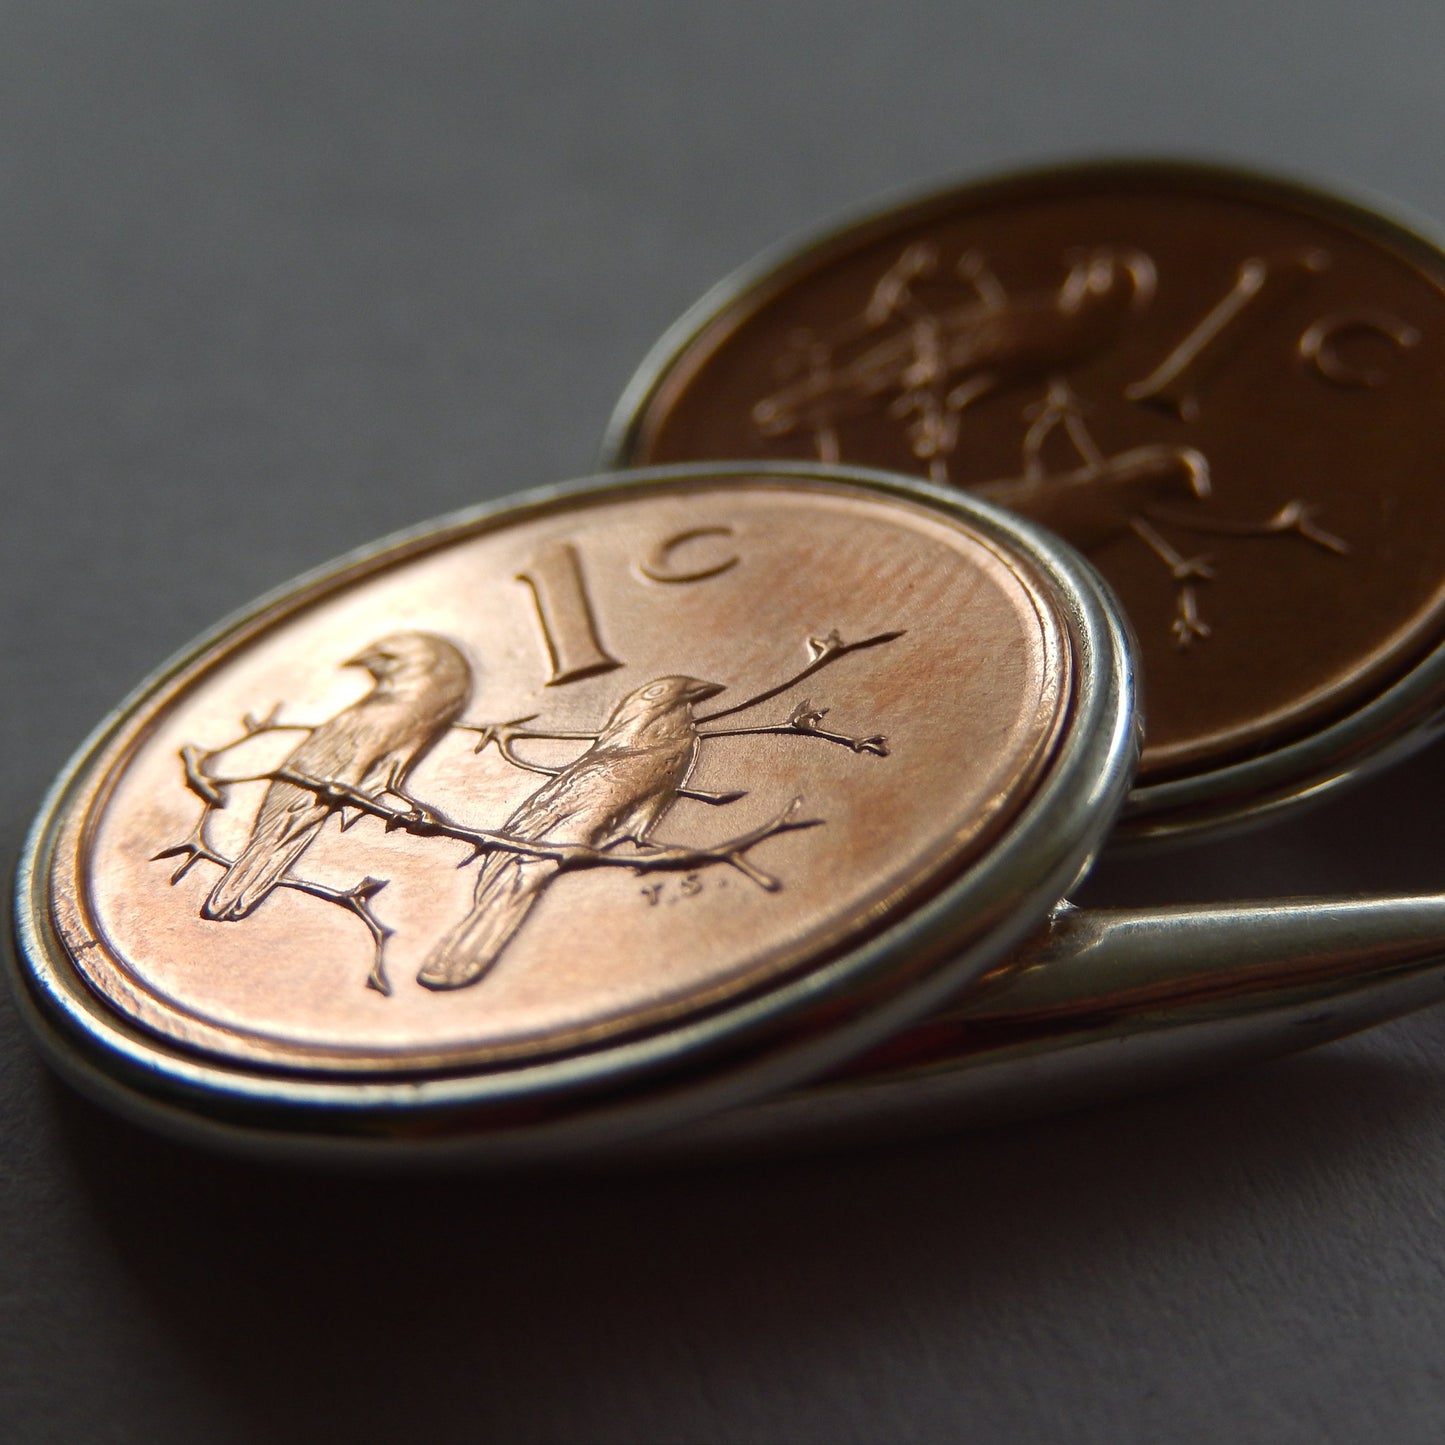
(277, 278)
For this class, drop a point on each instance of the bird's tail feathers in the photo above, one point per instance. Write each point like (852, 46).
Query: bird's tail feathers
(261, 866)
(505, 894)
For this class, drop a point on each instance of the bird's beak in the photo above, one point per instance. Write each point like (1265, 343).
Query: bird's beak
(699, 691)
(365, 659)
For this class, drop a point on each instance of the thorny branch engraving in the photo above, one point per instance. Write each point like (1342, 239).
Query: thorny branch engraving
(933, 340)
(598, 811)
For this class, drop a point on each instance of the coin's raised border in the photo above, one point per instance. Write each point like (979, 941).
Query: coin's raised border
(1402, 717)
(753, 1046)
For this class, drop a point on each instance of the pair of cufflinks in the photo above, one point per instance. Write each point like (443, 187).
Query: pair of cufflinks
(730, 798)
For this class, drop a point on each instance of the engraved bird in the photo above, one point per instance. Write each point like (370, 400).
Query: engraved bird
(966, 351)
(619, 789)
(422, 684)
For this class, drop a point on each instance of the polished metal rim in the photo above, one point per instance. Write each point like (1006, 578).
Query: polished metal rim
(743, 1050)
(1396, 722)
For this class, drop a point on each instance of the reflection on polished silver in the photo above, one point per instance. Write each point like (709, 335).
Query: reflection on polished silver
(586, 926)
(664, 792)
(1107, 1003)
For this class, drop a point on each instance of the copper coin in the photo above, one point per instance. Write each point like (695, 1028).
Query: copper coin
(1226, 391)
(564, 775)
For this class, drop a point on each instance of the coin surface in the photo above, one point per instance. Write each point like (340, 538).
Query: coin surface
(1225, 390)
(568, 774)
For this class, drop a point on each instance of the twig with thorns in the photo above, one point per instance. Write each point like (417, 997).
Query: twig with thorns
(428, 822)
(422, 820)
(197, 847)
(823, 651)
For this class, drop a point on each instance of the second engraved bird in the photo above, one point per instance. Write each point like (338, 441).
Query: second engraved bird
(619, 789)
(422, 684)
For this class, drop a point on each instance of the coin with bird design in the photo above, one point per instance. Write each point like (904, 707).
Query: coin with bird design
(1224, 389)
(665, 788)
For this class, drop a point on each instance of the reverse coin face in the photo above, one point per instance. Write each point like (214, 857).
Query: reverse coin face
(562, 777)
(1226, 391)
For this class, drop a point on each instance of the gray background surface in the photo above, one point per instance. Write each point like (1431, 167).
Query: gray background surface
(278, 278)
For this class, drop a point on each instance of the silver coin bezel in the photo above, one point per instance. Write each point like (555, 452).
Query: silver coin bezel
(746, 1049)
(1402, 717)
